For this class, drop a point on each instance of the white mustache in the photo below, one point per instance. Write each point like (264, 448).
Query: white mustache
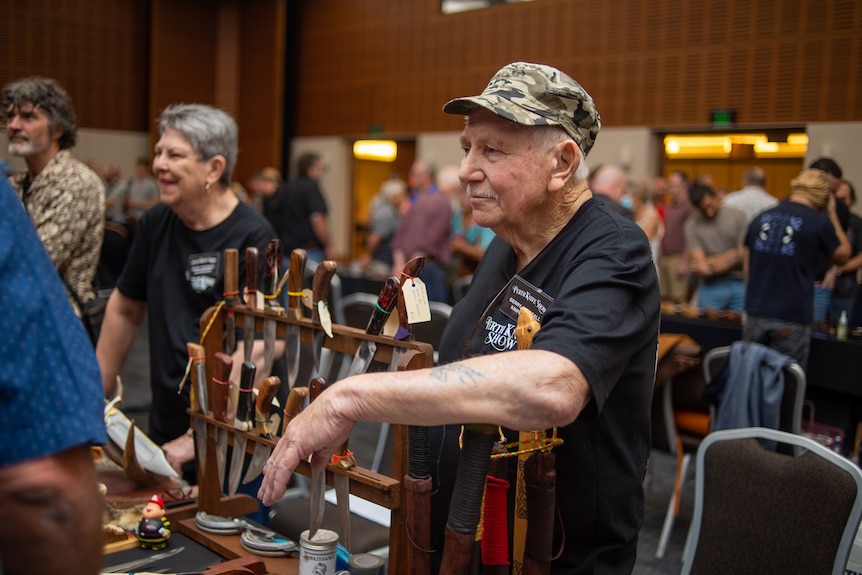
(483, 195)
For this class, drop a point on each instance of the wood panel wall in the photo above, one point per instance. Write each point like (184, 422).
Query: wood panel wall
(98, 50)
(656, 63)
(229, 54)
(661, 63)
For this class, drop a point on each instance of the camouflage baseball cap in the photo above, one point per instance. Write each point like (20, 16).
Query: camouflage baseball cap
(537, 95)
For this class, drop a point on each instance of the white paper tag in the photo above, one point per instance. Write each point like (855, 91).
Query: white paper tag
(416, 301)
(325, 319)
(258, 300)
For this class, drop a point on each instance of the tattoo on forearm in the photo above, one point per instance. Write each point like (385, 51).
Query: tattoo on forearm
(458, 372)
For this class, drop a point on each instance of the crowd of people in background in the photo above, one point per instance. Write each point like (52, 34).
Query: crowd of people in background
(784, 265)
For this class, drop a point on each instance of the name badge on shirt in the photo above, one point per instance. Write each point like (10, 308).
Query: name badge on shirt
(203, 271)
(521, 293)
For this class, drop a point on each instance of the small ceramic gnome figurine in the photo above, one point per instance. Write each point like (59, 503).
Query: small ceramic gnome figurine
(154, 528)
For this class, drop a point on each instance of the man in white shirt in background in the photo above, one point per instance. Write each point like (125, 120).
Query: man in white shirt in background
(752, 198)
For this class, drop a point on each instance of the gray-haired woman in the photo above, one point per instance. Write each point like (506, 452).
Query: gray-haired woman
(175, 270)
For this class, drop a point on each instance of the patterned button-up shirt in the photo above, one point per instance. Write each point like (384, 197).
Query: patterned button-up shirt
(66, 202)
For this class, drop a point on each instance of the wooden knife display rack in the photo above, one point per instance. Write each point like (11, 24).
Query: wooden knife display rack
(378, 488)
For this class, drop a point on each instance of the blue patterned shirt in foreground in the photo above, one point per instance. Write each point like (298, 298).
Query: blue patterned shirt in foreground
(51, 395)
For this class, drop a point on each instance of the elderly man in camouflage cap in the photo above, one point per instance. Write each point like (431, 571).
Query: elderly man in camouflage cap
(585, 273)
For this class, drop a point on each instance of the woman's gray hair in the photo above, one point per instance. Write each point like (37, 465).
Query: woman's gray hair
(211, 132)
(550, 135)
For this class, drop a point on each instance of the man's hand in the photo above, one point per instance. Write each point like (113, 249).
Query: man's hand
(179, 451)
(317, 432)
(702, 268)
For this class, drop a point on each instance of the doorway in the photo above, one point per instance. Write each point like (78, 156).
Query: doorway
(725, 157)
(368, 175)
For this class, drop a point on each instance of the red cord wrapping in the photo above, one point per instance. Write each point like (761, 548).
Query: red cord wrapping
(495, 535)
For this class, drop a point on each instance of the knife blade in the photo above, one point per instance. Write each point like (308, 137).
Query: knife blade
(295, 276)
(264, 425)
(251, 257)
(318, 478)
(221, 394)
(199, 400)
(319, 311)
(405, 330)
(386, 301)
(231, 296)
(242, 422)
(270, 287)
(137, 563)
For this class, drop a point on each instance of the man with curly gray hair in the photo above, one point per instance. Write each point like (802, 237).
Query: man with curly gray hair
(65, 198)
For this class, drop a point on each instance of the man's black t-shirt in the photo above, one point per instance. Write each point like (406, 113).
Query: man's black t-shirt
(605, 318)
(290, 210)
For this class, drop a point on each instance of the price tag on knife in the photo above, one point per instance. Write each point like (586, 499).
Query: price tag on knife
(416, 301)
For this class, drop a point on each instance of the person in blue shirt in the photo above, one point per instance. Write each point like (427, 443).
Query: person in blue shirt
(51, 412)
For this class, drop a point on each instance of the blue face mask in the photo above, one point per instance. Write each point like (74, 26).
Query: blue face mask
(627, 203)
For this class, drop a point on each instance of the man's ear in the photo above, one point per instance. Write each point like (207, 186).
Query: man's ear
(216, 166)
(567, 160)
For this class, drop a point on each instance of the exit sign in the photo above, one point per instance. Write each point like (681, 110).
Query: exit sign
(722, 117)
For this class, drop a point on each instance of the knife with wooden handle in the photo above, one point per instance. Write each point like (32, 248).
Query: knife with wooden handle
(318, 478)
(199, 400)
(294, 404)
(242, 421)
(231, 296)
(295, 276)
(263, 425)
(221, 394)
(319, 312)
